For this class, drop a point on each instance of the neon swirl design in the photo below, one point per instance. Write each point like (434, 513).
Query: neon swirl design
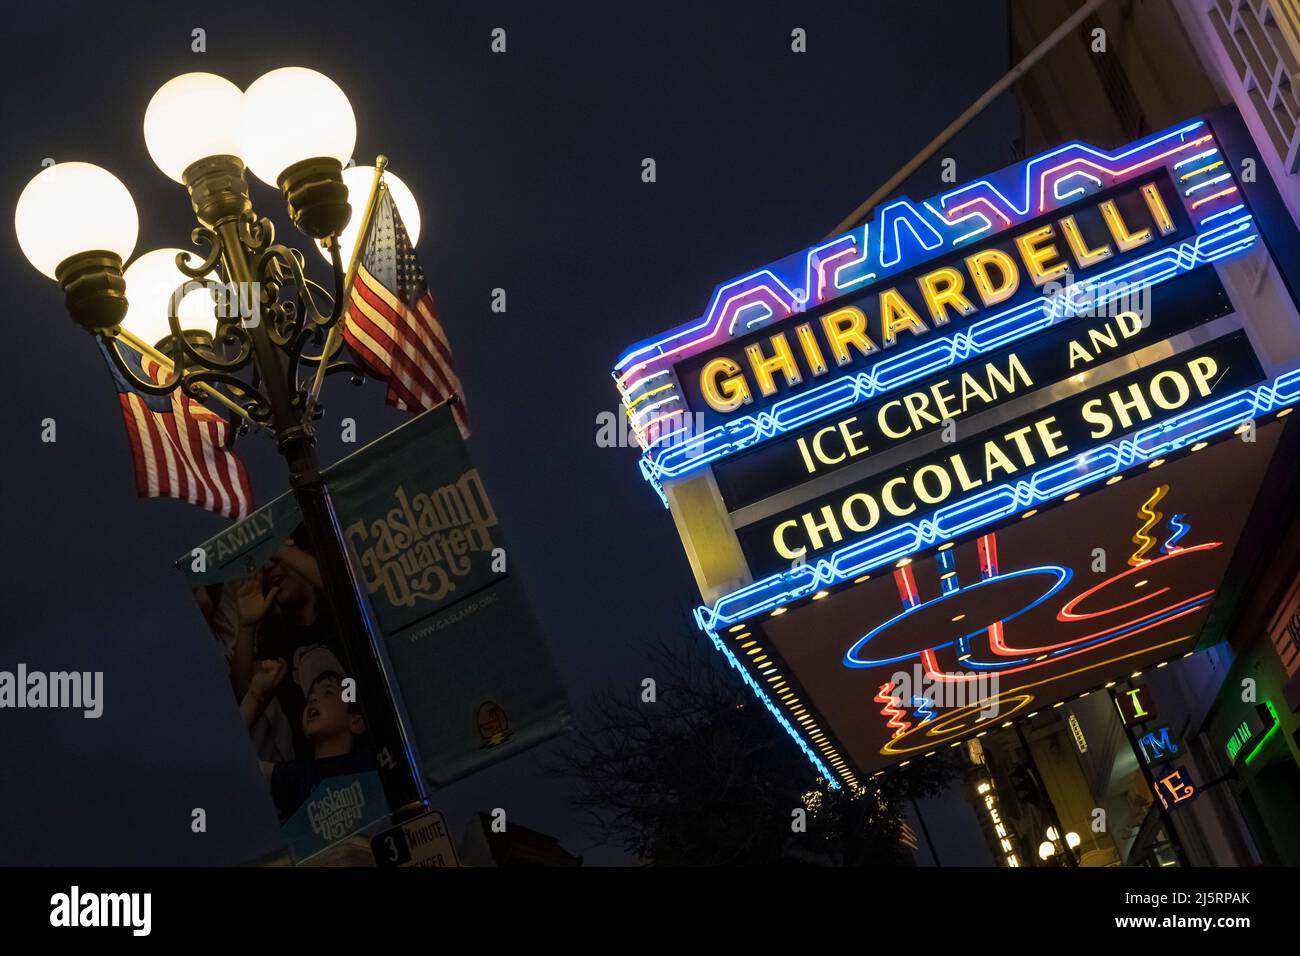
(924, 708)
(1180, 529)
(896, 721)
(1152, 518)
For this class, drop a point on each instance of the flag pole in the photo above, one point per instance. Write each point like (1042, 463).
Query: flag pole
(331, 341)
(146, 349)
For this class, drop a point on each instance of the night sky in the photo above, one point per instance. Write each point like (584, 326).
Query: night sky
(527, 166)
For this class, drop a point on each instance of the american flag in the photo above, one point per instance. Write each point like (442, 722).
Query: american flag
(179, 447)
(391, 323)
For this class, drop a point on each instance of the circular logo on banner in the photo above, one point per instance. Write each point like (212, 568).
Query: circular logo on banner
(493, 725)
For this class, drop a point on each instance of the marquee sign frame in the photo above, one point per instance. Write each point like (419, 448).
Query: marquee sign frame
(680, 446)
(902, 236)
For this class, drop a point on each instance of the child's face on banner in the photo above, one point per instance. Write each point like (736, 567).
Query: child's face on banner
(326, 716)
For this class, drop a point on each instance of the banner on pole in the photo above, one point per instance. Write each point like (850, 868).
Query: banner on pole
(474, 674)
(260, 591)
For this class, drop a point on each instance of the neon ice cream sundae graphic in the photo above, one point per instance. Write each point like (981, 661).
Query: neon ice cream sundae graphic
(975, 629)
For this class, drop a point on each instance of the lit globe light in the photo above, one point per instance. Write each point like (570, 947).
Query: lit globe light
(359, 179)
(150, 282)
(71, 208)
(1072, 840)
(293, 114)
(1045, 850)
(191, 117)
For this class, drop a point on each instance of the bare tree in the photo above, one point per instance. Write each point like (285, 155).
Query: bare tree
(702, 775)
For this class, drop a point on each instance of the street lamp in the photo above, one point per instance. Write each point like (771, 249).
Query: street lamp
(77, 223)
(153, 278)
(293, 128)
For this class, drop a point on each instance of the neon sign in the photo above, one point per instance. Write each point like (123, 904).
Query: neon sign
(985, 790)
(1250, 736)
(847, 337)
(1053, 482)
(1023, 604)
(933, 403)
(1135, 705)
(1157, 746)
(930, 313)
(1057, 433)
(1175, 788)
(1160, 191)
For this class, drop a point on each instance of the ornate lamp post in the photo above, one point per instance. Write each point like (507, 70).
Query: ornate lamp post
(76, 223)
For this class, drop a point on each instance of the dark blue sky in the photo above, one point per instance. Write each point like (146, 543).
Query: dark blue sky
(527, 167)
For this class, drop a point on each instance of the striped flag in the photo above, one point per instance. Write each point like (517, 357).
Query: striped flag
(179, 447)
(391, 323)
